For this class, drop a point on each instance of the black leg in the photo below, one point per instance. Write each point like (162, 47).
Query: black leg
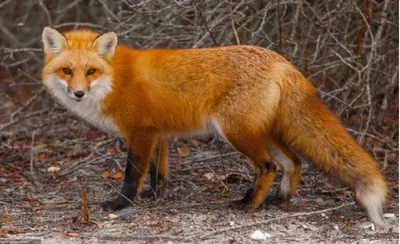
(153, 177)
(240, 204)
(276, 200)
(157, 184)
(128, 190)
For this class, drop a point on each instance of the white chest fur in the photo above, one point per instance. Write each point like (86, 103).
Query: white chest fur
(89, 108)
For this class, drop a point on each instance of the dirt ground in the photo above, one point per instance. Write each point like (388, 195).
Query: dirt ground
(42, 177)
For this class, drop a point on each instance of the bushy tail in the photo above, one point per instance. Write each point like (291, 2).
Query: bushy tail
(308, 126)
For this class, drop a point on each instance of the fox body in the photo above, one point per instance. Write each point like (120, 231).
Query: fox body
(253, 97)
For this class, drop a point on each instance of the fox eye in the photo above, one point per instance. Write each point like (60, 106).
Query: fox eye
(90, 71)
(67, 71)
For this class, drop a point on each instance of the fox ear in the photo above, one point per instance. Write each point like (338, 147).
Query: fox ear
(53, 41)
(105, 44)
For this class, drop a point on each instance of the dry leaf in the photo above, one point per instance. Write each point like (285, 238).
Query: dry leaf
(234, 177)
(224, 189)
(3, 233)
(18, 179)
(197, 172)
(111, 151)
(184, 150)
(71, 234)
(118, 175)
(12, 229)
(6, 218)
(208, 175)
(218, 185)
(53, 169)
(92, 135)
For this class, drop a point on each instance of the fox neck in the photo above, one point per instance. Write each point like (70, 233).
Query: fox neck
(90, 108)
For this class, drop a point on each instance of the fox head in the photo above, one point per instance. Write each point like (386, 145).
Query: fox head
(77, 63)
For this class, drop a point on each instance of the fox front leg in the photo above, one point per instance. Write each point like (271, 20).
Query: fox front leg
(139, 155)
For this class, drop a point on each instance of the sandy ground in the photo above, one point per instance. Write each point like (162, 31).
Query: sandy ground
(47, 205)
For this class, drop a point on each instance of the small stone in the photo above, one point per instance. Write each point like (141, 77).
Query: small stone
(389, 215)
(259, 235)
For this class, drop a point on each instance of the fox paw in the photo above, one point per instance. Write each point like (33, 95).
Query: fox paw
(151, 194)
(245, 206)
(238, 204)
(116, 204)
(278, 201)
(274, 200)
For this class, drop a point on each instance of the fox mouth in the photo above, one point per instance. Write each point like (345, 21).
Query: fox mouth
(73, 97)
(76, 99)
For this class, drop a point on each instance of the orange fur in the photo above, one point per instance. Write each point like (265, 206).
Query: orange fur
(252, 96)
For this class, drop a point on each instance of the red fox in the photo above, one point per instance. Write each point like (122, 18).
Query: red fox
(253, 97)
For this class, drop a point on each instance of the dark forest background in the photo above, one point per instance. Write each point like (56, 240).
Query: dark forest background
(347, 49)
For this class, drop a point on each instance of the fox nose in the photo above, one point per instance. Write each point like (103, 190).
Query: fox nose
(79, 94)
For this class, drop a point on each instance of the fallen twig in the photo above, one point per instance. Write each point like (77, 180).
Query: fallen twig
(80, 164)
(85, 208)
(32, 163)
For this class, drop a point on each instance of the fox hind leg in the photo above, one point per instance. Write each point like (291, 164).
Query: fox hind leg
(291, 167)
(253, 146)
(158, 171)
(249, 193)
